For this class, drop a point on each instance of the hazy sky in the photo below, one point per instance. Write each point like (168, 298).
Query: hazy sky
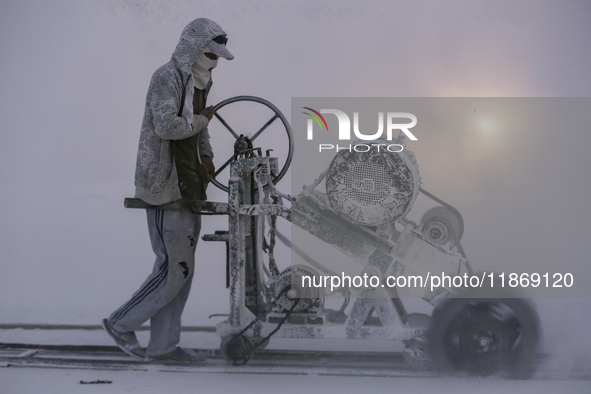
(73, 78)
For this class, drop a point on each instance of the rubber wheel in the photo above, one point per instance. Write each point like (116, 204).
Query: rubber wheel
(452, 221)
(237, 350)
(484, 336)
(260, 343)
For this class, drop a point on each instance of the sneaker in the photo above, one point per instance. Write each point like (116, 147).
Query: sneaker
(180, 355)
(126, 341)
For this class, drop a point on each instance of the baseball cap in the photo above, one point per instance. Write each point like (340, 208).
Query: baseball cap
(217, 46)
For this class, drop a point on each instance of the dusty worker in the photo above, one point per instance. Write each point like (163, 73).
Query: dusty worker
(169, 175)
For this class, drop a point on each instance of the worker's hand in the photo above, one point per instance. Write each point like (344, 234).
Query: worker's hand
(207, 112)
(206, 169)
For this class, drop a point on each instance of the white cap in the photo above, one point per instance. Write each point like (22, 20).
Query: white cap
(217, 46)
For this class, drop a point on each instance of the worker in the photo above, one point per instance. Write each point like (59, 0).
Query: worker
(168, 175)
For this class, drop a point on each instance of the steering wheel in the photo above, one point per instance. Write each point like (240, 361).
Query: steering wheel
(244, 135)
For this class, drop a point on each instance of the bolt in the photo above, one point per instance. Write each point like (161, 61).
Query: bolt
(420, 353)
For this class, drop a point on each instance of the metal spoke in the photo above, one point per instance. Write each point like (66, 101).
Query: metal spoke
(226, 164)
(264, 127)
(227, 126)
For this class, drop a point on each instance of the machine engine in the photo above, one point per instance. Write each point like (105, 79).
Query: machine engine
(375, 187)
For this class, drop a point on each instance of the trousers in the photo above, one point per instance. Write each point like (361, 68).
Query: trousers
(162, 296)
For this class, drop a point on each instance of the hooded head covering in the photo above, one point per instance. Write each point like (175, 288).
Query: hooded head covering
(196, 36)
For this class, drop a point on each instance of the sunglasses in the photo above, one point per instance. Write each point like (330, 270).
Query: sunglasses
(222, 40)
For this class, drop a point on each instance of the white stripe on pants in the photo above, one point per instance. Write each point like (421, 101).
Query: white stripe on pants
(163, 294)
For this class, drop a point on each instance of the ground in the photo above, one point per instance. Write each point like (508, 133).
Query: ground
(24, 380)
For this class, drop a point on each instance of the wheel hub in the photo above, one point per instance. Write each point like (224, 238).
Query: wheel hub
(484, 341)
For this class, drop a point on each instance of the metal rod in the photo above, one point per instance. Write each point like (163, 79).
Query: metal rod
(264, 127)
(226, 124)
(231, 159)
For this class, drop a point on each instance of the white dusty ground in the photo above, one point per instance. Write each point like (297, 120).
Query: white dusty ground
(19, 380)
(61, 381)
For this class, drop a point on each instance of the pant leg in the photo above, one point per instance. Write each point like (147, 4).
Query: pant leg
(174, 236)
(165, 325)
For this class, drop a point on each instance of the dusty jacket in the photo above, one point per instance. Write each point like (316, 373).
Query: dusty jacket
(156, 178)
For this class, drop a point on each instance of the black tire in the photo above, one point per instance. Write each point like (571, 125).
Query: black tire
(259, 343)
(484, 336)
(236, 349)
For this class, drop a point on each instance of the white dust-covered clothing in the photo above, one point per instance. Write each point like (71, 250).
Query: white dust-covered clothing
(162, 296)
(156, 178)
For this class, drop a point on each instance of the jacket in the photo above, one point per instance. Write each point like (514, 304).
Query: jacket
(156, 178)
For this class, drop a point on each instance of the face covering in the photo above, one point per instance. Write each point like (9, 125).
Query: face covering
(200, 70)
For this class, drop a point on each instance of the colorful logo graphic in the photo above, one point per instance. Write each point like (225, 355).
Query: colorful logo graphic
(315, 118)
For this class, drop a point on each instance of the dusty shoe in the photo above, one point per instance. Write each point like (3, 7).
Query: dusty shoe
(126, 341)
(180, 355)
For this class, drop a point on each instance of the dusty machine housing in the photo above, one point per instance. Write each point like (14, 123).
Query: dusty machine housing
(397, 252)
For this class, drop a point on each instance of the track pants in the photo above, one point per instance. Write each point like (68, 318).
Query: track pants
(162, 297)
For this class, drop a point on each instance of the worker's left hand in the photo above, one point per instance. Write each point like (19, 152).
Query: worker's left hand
(206, 169)
(208, 112)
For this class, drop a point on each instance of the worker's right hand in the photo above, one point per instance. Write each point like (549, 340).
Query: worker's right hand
(206, 169)
(207, 112)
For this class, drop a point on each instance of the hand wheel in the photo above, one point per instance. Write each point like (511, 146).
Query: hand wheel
(247, 114)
